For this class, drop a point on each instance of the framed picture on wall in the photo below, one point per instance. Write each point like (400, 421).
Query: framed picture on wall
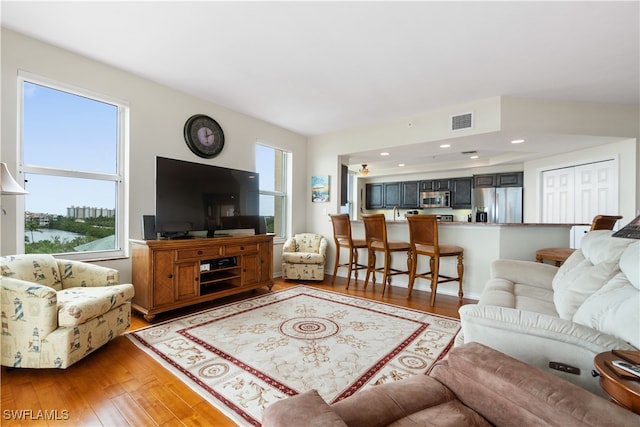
(320, 188)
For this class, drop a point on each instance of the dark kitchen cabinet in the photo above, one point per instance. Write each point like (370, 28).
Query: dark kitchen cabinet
(461, 193)
(487, 180)
(410, 195)
(441, 184)
(406, 195)
(375, 196)
(426, 185)
(392, 194)
(435, 185)
(505, 179)
(344, 185)
(511, 179)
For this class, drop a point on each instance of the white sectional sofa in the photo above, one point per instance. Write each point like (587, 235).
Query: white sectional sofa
(562, 316)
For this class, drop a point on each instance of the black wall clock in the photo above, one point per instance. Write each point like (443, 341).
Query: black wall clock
(204, 136)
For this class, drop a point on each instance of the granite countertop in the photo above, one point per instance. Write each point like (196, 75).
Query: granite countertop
(486, 224)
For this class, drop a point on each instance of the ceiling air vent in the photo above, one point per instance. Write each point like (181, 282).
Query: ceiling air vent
(462, 121)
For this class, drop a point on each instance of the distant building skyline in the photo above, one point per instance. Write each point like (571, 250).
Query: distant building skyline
(89, 212)
(79, 212)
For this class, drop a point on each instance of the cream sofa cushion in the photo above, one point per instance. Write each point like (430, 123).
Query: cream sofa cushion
(520, 285)
(302, 258)
(77, 305)
(614, 308)
(587, 270)
(308, 242)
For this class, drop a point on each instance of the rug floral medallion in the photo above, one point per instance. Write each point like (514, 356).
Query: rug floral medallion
(243, 356)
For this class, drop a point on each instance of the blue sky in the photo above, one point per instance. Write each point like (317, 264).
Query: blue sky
(67, 131)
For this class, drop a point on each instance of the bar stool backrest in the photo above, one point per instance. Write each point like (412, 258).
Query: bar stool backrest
(604, 222)
(375, 228)
(342, 229)
(423, 230)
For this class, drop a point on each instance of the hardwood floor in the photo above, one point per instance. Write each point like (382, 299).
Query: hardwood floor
(119, 385)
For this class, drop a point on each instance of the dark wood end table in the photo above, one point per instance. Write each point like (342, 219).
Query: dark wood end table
(622, 390)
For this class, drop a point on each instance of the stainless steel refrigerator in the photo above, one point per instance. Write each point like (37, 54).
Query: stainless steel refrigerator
(502, 204)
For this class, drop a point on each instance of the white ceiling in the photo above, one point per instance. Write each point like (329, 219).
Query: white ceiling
(320, 67)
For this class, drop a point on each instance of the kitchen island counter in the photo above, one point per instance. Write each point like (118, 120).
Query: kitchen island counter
(485, 224)
(482, 244)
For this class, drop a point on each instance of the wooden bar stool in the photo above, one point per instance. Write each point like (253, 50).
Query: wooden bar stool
(560, 255)
(343, 240)
(375, 228)
(423, 238)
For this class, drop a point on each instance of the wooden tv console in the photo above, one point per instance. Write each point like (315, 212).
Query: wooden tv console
(169, 274)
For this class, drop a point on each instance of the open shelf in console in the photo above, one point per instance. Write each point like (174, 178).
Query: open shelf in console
(219, 274)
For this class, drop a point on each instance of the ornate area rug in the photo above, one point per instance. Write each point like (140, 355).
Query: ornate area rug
(243, 356)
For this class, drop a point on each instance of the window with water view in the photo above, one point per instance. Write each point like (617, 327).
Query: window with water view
(71, 145)
(271, 165)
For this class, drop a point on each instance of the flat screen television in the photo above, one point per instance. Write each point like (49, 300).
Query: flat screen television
(197, 197)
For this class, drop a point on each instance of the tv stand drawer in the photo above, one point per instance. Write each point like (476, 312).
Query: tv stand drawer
(197, 253)
(241, 249)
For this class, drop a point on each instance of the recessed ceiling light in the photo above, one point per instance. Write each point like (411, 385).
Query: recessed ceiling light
(384, 154)
(401, 165)
(474, 157)
(445, 145)
(517, 141)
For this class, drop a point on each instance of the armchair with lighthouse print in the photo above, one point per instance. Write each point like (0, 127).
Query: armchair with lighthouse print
(54, 312)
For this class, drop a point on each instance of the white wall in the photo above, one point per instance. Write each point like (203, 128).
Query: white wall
(157, 117)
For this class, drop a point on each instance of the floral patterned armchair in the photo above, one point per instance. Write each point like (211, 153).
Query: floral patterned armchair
(54, 312)
(304, 256)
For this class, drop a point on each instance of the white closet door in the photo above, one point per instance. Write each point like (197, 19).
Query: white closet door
(596, 190)
(576, 194)
(558, 196)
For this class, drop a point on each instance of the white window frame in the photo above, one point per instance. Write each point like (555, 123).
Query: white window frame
(286, 206)
(120, 178)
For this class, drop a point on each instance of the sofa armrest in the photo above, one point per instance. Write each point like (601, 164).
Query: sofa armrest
(76, 274)
(400, 403)
(29, 314)
(532, 273)
(322, 249)
(494, 320)
(507, 391)
(538, 339)
(304, 409)
(289, 245)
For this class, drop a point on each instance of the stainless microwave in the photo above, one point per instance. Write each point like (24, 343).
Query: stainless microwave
(435, 199)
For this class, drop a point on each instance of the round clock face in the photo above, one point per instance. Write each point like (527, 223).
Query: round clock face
(204, 136)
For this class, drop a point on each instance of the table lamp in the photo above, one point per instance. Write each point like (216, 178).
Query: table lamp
(8, 185)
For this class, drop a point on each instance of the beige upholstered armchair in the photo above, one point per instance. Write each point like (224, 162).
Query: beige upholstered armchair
(304, 256)
(55, 312)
